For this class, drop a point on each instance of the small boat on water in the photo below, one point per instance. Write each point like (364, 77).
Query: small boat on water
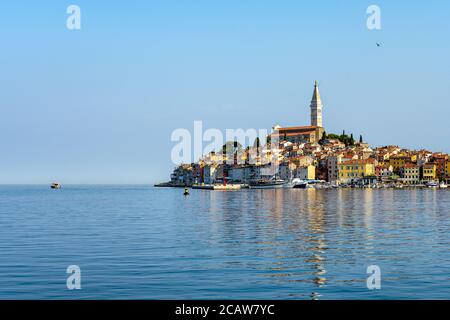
(268, 184)
(55, 185)
(432, 184)
(443, 185)
(303, 185)
(186, 192)
(300, 184)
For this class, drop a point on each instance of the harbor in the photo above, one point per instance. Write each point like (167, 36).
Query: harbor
(304, 184)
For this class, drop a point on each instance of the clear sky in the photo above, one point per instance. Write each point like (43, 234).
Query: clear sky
(98, 105)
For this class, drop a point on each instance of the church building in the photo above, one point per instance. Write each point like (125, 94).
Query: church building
(306, 134)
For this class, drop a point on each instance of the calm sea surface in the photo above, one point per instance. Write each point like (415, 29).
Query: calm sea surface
(136, 242)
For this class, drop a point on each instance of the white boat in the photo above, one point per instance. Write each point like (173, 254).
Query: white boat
(442, 185)
(268, 184)
(300, 184)
(432, 184)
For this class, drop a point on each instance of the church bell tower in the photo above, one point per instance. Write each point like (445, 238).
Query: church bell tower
(316, 108)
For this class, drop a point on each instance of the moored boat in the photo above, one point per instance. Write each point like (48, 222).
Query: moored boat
(268, 184)
(300, 184)
(432, 184)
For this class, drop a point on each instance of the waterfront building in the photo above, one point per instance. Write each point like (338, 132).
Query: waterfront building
(264, 172)
(197, 173)
(322, 173)
(369, 180)
(286, 170)
(384, 172)
(440, 160)
(356, 169)
(182, 175)
(307, 173)
(236, 174)
(321, 167)
(332, 167)
(209, 174)
(410, 174)
(429, 172)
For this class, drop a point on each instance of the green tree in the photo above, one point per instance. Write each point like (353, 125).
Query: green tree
(351, 141)
(247, 155)
(324, 137)
(257, 143)
(268, 140)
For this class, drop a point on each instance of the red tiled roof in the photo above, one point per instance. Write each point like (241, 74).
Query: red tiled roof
(428, 165)
(298, 128)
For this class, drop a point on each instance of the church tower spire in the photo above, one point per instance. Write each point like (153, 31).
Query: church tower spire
(316, 107)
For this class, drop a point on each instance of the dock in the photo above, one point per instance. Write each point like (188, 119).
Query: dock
(221, 187)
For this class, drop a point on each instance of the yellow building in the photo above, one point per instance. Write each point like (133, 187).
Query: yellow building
(356, 169)
(429, 172)
(307, 173)
(397, 162)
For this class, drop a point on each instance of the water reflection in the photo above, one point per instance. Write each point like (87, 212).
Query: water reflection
(316, 218)
(298, 235)
(253, 244)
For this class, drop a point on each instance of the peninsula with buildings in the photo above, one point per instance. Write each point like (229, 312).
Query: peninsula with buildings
(307, 156)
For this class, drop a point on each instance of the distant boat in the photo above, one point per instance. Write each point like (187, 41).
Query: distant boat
(55, 185)
(443, 185)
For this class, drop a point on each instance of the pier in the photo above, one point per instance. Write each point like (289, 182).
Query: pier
(221, 187)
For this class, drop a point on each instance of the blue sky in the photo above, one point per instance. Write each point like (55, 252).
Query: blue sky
(98, 105)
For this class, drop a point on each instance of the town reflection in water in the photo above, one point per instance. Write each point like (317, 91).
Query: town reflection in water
(306, 260)
(311, 243)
